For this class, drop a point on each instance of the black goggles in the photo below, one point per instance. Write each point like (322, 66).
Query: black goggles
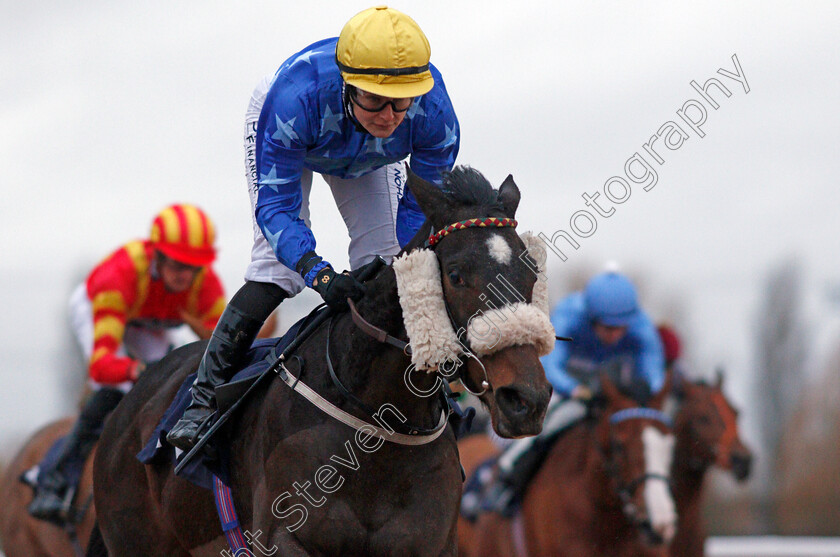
(372, 105)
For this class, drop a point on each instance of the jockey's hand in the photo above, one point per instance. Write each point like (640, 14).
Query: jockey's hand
(134, 375)
(335, 288)
(582, 392)
(196, 324)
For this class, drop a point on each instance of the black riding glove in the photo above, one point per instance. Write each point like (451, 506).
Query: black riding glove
(335, 288)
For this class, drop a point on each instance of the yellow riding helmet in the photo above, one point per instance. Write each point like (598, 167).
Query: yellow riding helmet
(384, 52)
(184, 233)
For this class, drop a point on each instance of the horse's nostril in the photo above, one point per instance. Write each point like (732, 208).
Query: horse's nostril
(512, 402)
(741, 465)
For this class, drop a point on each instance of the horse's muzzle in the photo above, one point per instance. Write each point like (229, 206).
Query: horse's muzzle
(650, 536)
(522, 410)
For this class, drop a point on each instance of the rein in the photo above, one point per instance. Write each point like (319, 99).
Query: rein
(402, 428)
(407, 434)
(358, 424)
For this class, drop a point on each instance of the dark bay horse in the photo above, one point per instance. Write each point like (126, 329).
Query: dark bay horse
(602, 490)
(707, 435)
(25, 536)
(369, 497)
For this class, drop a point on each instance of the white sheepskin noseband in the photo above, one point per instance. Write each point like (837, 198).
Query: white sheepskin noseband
(421, 297)
(433, 341)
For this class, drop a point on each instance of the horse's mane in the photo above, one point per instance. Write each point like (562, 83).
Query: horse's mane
(465, 185)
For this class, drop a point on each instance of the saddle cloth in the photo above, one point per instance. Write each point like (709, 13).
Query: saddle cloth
(485, 491)
(200, 470)
(72, 471)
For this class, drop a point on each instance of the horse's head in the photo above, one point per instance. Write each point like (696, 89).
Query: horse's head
(637, 444)
(711, 422)
(487, 287)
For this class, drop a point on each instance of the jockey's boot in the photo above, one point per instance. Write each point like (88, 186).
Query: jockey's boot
(232, 338)
(54, 493)
(516, 466)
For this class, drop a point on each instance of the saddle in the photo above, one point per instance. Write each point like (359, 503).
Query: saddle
(200, 470)
(262, 355)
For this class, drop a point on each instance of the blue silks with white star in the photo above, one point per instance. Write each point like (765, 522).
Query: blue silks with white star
(303, 125)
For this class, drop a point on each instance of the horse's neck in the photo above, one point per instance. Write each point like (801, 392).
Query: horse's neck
(688, 469)
(687, 473)
(579, 453)
(374, 371)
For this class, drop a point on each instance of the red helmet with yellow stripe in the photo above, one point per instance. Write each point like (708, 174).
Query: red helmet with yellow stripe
(184, 233)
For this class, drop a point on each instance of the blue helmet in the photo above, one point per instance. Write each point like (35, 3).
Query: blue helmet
(611, 299)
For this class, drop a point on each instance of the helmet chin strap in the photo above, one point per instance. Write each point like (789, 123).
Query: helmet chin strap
(347, 104)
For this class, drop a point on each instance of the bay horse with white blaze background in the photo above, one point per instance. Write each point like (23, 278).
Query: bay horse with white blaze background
(375, 497)
(603, 489)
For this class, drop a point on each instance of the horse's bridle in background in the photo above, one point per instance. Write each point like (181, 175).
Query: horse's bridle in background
(626, 490)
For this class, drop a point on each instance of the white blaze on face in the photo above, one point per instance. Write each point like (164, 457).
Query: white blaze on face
(499, 249)
(659, 449)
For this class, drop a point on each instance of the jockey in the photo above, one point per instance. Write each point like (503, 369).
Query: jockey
(610, 333)
(348, 109)
(122, 316)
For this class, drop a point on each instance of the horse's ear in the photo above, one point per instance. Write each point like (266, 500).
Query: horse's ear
(719, 378)
(429, 196)
(509, 196)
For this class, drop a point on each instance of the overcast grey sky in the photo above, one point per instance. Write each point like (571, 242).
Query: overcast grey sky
(110, 111)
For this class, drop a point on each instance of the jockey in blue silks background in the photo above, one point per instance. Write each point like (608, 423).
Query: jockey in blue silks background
(610, 333)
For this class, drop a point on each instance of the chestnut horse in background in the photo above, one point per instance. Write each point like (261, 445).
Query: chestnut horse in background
(707, 435)
(21, 535)
(25, 536)
(602, 489)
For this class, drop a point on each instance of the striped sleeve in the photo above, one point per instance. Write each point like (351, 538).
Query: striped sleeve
(113, 290)
(210, 298)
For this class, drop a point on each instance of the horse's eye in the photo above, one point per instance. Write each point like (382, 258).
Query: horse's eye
(455, 278)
